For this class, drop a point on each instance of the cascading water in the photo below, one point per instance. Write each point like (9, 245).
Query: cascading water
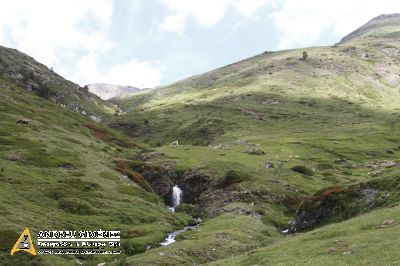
(176, 197)
(176, 200)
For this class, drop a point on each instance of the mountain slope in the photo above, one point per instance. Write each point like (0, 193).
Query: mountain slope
(369, 239)
(286, 127)
(24, 71)
(380, 26)
(65, 172)
(108, 91)
(366, 75)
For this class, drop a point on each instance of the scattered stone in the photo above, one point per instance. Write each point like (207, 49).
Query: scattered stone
(305, 56)
(161, 253)
(287, 187)
(269, 165)
(332, 251)
(68, 166)
(167, 166)
(13, 157)
(384, 224)
(369, 195)
(340, 161)
(383, 164)
(271, 102)
(150, 156)
(101, 264)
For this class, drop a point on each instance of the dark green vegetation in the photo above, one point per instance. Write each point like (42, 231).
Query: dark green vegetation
(309, 136)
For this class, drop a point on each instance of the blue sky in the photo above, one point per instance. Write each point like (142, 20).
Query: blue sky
(147, 43)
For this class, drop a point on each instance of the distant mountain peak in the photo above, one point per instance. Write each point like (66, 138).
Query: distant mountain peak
(107, 91)
(380, 21)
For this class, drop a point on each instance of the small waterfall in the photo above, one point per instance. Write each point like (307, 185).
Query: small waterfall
(176, 196)
(176, 200)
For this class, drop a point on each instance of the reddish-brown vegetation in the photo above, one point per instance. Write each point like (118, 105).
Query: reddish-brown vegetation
(107, 136)
(125, 169)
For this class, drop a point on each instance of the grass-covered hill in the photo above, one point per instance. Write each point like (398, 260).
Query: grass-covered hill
(32, 76)
(287, 135)
(66, 172)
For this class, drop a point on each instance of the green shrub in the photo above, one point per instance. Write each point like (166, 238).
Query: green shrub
(132, 247)
(324, 166)
(303, 170)
(137, 165)
(109, 176)
(76, 206)
(233, 176)
(189, 209)
(8, 238)
(280, 222)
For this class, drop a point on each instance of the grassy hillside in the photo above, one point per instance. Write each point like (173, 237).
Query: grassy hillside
(279, 141)
(328, 120)
(22, 70)
(61, 173)
(369, 239)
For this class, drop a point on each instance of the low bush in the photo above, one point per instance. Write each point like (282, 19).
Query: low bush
(189, 209)
(76, 206)
(233, 176)
(133, 246)
(303, 170)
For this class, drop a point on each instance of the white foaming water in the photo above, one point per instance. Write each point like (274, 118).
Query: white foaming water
(176, 196)
(171, 238)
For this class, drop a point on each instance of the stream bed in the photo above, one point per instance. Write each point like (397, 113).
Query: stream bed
(171, 238)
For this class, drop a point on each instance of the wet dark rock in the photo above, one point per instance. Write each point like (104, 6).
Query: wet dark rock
(333, 205)
(160, 183)
(194, 182)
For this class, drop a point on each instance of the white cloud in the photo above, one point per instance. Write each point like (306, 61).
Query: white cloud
(45, 28)
(207, 13)
(174, 23)
(302, 22)
(249, 7)
(142, 74)
(135, 73)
